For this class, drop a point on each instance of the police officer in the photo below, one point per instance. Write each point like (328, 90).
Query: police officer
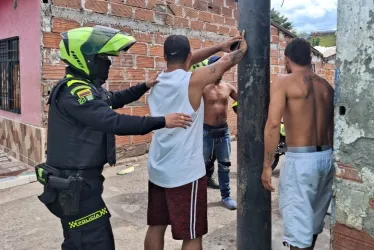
(81, 135)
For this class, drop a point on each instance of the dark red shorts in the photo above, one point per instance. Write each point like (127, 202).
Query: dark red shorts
(184, 208)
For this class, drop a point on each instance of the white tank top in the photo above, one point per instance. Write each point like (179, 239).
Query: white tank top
(176, 155)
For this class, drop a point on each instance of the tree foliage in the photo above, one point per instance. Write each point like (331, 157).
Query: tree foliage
(280, 19)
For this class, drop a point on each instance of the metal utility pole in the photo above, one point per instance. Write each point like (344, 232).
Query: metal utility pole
(254, 206)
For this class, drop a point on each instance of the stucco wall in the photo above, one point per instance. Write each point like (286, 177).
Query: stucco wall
(24, 22)
(354, 127)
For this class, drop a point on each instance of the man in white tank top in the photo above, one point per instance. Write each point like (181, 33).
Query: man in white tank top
(177, 183)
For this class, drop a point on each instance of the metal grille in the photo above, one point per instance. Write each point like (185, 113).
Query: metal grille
(10, 94)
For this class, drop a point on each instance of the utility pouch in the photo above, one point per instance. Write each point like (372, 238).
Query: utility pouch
(44, 171)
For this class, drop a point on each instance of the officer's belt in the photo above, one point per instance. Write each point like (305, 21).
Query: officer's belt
(90, 173)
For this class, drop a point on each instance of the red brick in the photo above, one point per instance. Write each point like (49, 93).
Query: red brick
(122, 28)
(97, 6)
(141, 111)
(218, 19)
(115, 74)
(160, 39)
(230, 3)
(200, 5)
(371, 203)
(274, 53)
(121, 10)
(135, 74)
(274, 61)
(274, 31)
(348, 173)
(51, 40)
(123, 140)
(115, 86)
(345, 238)
(197, 25)
(139, 48)
(234, 32)
(281, 61)
(176, 9)
(276, 69)
(143, 14)
(228, 77)
(273, 77)
(145, 62)
(188, 3)
(211, 27)
(230, 21)
(235, 12)
(181, 22)
(160, 63)
(61, 25)
(207, 44)
(191, 13)
(283, 45)
(142, 138)
(123, 60)
(227, 12)
(53, 72)
(169, 20)
(214, 8)
(75, 4)
(157, 50)
(136, 3)
(205, 16)
(151, 4)
(116, 1)
(223, 30)
(275, 39)
(143, 37)
(195, 43)
(219, 2)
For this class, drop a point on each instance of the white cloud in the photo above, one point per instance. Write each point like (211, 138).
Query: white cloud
(308, 15)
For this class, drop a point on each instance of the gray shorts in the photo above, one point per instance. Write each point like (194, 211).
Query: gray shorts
(305, 192)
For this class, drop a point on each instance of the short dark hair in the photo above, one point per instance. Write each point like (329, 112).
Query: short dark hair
(299, 52)
(176, 49)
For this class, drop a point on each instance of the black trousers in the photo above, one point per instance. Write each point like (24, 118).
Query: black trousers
(90, 229)
(98, 238)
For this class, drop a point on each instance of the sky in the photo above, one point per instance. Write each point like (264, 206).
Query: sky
(309, 15)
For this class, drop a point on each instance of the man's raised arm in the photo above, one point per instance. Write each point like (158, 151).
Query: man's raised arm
(203, 76)
(202, 54)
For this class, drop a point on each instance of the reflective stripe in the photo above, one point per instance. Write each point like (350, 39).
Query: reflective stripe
(78, 88)
(71, 82)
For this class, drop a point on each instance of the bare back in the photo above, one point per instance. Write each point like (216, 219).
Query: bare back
(308, 113)
(216, 99)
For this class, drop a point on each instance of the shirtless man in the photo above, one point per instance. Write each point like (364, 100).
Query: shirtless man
(217, 135)
(305, 101)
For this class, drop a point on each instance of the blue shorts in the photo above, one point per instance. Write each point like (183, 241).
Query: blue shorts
(305, 191)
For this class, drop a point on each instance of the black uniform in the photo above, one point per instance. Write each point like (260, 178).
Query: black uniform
(81, 129)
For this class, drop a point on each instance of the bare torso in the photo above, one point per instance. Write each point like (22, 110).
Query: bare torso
(216, 99)
(309, 109)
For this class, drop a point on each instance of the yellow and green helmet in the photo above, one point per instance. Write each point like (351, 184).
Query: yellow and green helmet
(80, 46)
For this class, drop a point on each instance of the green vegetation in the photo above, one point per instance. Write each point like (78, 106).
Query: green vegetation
(328, 40)
(280, 19)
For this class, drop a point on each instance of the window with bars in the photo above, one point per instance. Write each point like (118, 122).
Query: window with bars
(10, 91)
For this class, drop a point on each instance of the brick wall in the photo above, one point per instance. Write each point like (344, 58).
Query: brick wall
(150, 22)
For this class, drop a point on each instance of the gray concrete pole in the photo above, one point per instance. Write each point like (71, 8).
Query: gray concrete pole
(254, 206)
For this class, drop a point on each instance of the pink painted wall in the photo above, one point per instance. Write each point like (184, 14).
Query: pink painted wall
(24, 22)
